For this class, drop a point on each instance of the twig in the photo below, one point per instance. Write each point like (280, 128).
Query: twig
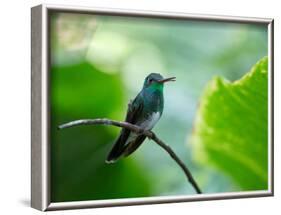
(136, 129)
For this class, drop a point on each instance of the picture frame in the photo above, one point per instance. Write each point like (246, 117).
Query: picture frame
(40, 108)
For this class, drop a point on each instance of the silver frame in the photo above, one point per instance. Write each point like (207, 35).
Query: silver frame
(40, 150)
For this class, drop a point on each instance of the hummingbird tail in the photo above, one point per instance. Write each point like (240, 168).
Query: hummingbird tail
(115, 152)
(112, 157)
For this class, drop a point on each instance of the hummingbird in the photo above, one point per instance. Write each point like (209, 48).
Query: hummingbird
(144, 111)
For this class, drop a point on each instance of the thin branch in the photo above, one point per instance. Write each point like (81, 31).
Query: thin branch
(137, 129)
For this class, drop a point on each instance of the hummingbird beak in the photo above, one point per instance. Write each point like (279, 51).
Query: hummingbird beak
(167, 79)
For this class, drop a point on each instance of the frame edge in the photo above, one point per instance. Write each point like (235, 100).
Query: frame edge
(36, 119)
(271, 68)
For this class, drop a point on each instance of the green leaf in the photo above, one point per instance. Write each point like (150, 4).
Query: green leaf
(230, 130)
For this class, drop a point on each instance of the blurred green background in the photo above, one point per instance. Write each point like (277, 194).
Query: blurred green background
(98, 63)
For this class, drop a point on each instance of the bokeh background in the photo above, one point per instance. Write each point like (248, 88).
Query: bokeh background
(98, 63)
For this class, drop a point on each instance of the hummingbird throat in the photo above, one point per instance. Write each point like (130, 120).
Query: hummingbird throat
(156, 86)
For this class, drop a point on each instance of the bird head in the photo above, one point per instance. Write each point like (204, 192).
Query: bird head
(155, 80)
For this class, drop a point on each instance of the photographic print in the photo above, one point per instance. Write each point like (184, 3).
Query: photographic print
(157, 108)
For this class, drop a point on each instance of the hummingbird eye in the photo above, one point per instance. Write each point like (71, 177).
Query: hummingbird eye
(150, 80)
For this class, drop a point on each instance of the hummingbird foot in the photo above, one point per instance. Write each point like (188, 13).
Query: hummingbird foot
(152, 135)
(143, 131)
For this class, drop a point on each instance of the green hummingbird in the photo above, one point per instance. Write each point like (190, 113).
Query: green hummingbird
(144, 111)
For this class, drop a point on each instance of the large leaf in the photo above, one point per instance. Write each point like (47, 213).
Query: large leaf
(230, 130)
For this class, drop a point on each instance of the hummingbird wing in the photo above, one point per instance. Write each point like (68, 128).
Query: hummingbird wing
(135, 109)
(133, 145)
